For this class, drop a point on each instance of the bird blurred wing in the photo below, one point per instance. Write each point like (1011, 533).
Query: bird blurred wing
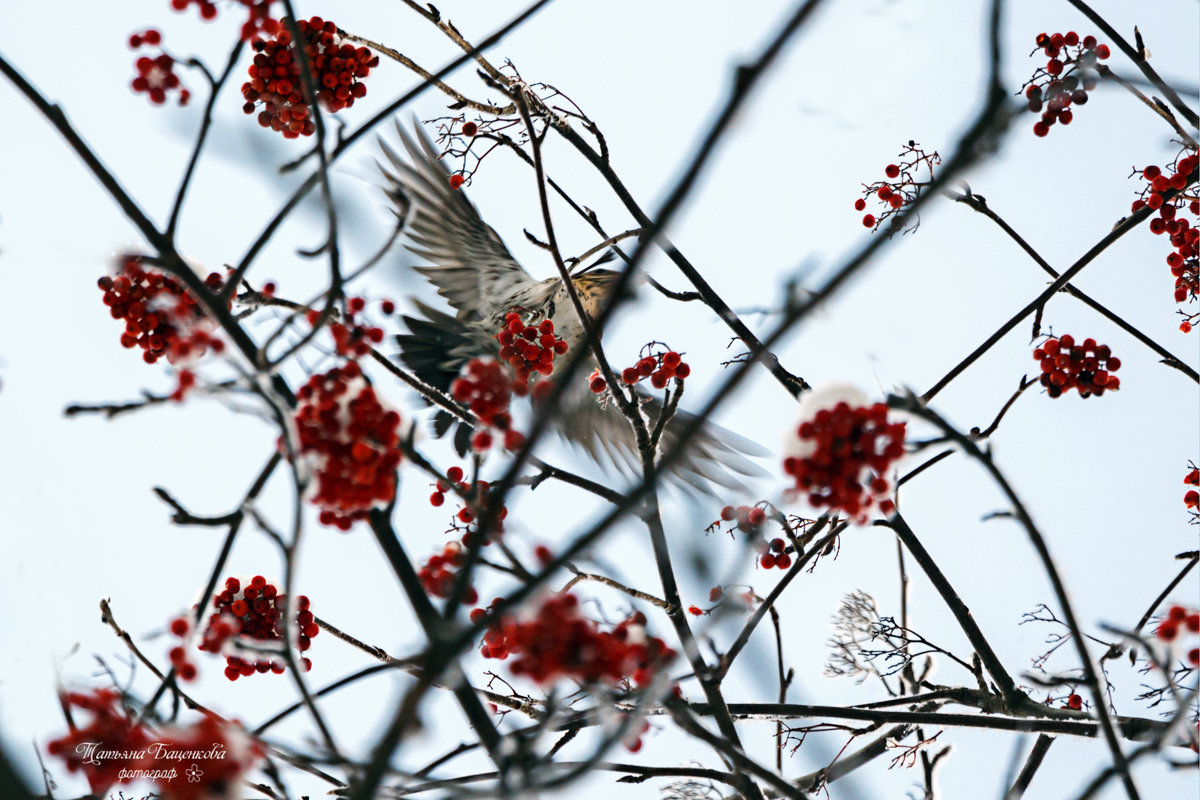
(471, 268)
(435, 348)
(712, 457)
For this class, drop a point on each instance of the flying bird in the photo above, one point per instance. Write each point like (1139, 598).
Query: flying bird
(474, 271)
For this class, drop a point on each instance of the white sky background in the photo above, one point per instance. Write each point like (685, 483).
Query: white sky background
(1102, 477)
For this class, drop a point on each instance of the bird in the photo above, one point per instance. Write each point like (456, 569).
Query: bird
(483, 283)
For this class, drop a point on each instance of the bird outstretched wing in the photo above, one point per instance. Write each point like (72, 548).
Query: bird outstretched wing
(471, 267)
(713, 456)
(436, 348)
(437, 345)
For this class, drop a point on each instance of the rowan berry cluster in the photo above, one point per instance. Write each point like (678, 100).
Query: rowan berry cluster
(558, 641)
(352, 337)
(438, 573)
(160, 316)
(353, 442)
(203, 778)
(1086, 366)
(454, 476)
(1184, 259)
(1181, 621)
(749, 518)
(901, 186)
(658, 367)
(259, 23)
(207, 9)
(486, 388)
(477, 497)
(275, 79)
(480, 498)
(126, 748)
(528, 349)
(1065, 80)
(774, 554)
(109, 724)
(156, 75)
(250, 614)
(841, 456)
(1192, 498)
(183, 665)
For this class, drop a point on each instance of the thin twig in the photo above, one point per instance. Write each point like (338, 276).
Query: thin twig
(205, 124)
(979, 204)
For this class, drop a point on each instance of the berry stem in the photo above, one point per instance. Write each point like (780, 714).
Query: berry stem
(201, 137)
(607, 581)
(461, 100)
(768, 603)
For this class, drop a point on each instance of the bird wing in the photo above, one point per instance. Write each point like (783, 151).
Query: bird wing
(435, 348)
(713, 456)
(471, 268)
